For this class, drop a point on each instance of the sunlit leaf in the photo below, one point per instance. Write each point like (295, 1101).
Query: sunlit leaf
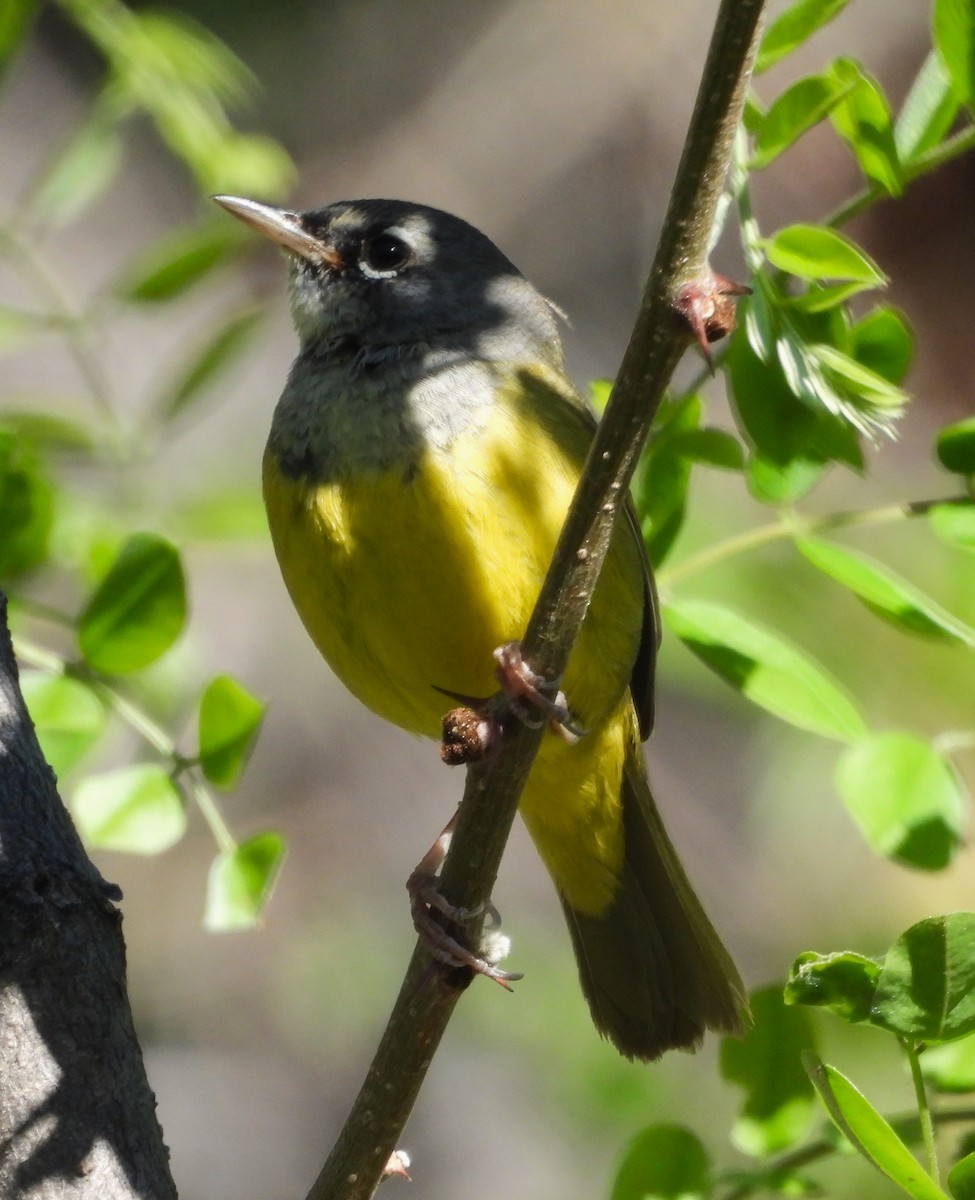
(765, 668)
(815, 252)
(961, 1178)
(843, 982)
(792, 27)
(796, 110)
(230, 718)
(241, 883)
(954, 39)
(139, 608)
(68, 717)
(138, 810)
(926, 989)
(906, 799)
(868, 1132)
(928, 113)
(884, 592)
(863, 119)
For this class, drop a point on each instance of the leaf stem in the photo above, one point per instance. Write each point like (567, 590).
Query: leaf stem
(948, 150)
(796, 525)
(923, 1107)
(907, 1126)
(213, 817)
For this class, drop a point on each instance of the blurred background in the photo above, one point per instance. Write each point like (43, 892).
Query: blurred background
(556, 128)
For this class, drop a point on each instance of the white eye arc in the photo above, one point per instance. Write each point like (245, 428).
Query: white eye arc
(383, 254)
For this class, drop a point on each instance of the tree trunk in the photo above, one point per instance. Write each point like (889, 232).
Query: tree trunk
(77, 1118)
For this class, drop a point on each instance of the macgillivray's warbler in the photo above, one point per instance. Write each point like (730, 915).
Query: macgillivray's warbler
(419, 468)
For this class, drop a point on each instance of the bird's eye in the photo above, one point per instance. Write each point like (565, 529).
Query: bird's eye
(383, 253)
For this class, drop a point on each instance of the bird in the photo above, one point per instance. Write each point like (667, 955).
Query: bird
(419, 467)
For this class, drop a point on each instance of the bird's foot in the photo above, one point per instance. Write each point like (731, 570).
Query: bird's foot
(426, 899)
(524, 690)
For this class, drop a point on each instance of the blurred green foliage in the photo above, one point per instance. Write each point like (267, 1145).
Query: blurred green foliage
(815, 373)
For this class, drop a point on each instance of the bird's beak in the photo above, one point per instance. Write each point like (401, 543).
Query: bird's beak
(282, 227)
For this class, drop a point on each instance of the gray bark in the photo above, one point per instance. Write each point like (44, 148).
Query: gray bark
(77, 1117)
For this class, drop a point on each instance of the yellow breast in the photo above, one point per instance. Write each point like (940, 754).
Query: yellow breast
(408, 580)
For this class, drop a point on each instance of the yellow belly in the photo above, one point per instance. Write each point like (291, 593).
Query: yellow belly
(407, 583)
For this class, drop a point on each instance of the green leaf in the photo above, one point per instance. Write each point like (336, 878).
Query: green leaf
(79, 174)
(26, 508)
(815, 252)
(221, 351)
(868, 1132)
(843, 982)
(961, 1178)
(954, 523)
(950, 1067)
(711, 446)
(906, 799)
(926, 989)
(863, 120)
(230, 718)
(955, 447)
(885, 593)
(765, 668)
(954, 39)
(139, 608)
(68, 717)
(791, 28)
(179, 261)
(798, 109)
(928, 112)
(664, 1162)
(138, 810)
(882, 342)
(766, 1064)
(241, 882)
(793, 443)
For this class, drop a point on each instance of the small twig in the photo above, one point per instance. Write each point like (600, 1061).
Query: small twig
(795, 525)
(429, 992)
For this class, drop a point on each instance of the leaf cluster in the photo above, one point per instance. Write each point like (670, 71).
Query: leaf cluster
(132, 595)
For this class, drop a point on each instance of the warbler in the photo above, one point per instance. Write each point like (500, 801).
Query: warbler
(420, 464)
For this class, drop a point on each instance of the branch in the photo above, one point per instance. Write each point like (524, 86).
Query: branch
(77, 1117)
(430, 991)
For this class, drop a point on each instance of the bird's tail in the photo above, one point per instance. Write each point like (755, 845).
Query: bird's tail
(653, 969)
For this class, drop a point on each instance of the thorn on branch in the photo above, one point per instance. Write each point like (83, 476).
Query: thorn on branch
(707, 306)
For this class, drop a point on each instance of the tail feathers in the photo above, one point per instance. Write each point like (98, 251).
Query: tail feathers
(653, 969)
